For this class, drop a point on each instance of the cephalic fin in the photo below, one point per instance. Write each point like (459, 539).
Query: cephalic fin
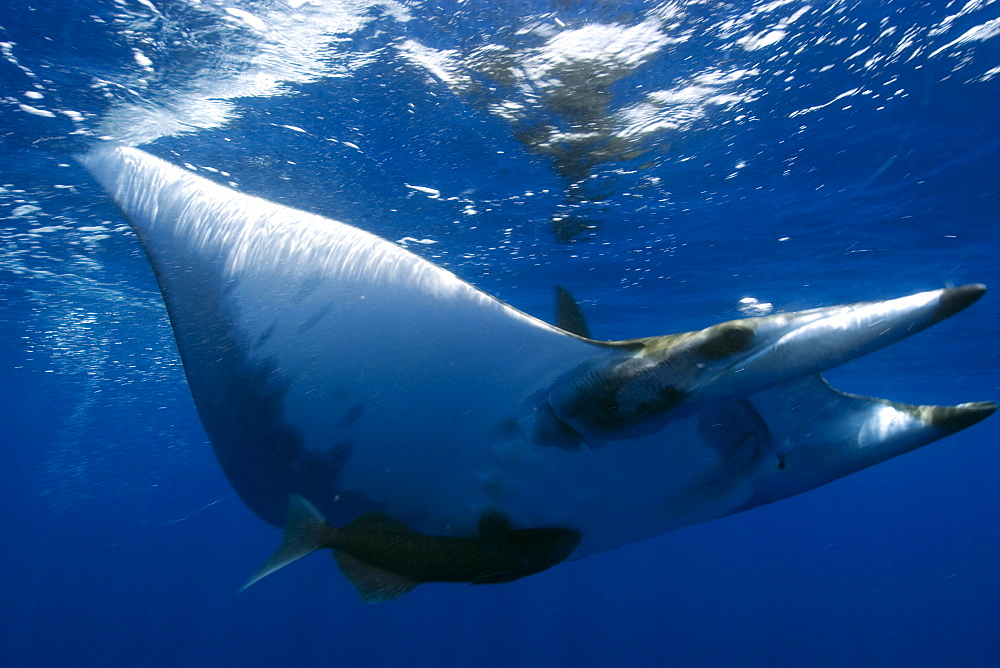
(305, 532)
(819, 434)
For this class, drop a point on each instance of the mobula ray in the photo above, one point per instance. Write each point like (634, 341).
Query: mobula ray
(371, 402)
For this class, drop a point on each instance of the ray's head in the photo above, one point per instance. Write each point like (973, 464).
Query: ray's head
(769, 368)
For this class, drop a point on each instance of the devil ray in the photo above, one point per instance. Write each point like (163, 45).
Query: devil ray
(373, 403)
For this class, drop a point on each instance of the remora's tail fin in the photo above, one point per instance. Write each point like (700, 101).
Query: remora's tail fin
(305, 531)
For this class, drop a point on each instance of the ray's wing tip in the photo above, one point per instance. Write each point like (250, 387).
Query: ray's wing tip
(105, 160)
(99, 149)
(953, 300)
(956, 418)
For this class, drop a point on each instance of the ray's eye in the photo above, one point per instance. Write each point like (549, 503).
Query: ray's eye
(728, 340)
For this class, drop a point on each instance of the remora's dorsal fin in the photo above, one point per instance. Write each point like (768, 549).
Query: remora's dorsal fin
(374, 584)
(305, 531)
(569, 317)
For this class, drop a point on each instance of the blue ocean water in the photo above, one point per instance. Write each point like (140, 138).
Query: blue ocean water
(673, 164)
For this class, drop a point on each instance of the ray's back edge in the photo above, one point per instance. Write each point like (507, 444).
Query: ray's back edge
(425, 431)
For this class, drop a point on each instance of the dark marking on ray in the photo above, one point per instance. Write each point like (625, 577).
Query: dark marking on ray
(506, 427)
(313, 469)
(315, 318)
(307, 287)
(352, 415)
(950, 418)
(240, 398)
(954, 300)
(264, 336)
(726, 340)
(226, 286)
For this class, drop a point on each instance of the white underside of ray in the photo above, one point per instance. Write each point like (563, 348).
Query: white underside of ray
(436, 393)
(437, 372)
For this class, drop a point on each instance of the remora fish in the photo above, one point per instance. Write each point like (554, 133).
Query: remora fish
(454, 438)
(385, 558)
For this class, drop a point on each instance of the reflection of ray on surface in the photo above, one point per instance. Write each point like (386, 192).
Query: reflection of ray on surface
(191, 67)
